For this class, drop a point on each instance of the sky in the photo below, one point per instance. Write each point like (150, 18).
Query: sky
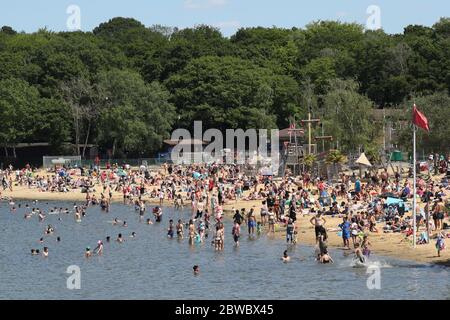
(227, 15)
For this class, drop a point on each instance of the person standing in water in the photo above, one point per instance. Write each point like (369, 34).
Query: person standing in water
(290, 228)
(170, 230)
(236, 233)
(180, 229)
(345, 227)
(318, 222)
(271, 218)
(99, 248)
(251, 221)
(192, 232)
(365, 246)
(358, 254)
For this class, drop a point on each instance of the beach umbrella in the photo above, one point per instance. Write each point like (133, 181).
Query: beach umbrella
(196, 175)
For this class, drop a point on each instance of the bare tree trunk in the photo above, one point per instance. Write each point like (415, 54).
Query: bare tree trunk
(14, 151)
(76, 120)
(114, 148)
(87, 138)
(6, 151)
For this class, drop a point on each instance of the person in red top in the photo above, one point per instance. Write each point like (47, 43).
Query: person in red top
(211, 185)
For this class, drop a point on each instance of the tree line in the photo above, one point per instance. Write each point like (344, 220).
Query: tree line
(125, 86)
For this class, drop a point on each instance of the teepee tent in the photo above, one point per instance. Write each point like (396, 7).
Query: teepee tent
(363, 160)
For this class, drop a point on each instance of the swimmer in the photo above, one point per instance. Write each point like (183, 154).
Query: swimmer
(45, 252)
(285, 257)
(34, 252)
(119, 238)
(124, 224)
(325, 257)
(149, 221)
(41, 240)
(133, 235)
(108, 239)
(88, 252)
(58, 239)
(41, 216)
(196, 270)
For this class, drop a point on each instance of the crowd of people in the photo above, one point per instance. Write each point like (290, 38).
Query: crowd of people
(204, 190)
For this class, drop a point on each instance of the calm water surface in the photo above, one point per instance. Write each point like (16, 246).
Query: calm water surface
(151, 266)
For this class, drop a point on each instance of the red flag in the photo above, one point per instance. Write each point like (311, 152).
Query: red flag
(420, 120)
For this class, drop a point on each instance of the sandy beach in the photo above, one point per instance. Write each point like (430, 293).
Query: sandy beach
(384, 244)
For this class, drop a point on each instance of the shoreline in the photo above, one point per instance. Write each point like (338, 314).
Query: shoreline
(384, 244)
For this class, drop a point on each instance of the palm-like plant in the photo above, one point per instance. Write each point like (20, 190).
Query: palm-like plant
(373, 155)
(309, 160)
(335, 157)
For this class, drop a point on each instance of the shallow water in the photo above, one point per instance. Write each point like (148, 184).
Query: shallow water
(151, 266)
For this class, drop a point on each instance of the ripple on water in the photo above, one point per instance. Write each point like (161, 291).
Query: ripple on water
(154, 267)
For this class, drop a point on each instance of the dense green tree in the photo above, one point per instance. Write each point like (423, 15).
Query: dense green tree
(18, 105)
(259, 77)
(436, 107)
(348, 115)
(137, 116)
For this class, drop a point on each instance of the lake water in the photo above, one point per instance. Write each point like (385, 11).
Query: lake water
(151, 266)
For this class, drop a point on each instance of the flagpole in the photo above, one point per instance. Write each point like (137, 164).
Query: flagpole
(414, 186)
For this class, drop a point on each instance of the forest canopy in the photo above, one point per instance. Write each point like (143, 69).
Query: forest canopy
(125, 86)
